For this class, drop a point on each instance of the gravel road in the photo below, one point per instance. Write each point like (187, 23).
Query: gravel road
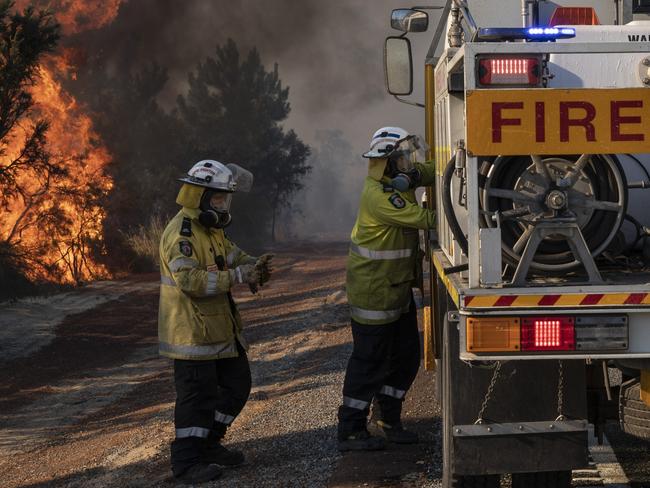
(91, 403)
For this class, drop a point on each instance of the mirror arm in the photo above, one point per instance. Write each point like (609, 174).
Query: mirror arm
(408, 102)
(420, 7)
(467, 16)
(442, 22)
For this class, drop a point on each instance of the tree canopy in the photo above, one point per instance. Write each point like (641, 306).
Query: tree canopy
(233, 112)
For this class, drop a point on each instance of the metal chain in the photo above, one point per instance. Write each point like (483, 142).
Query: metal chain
(488, 394)
(560, 391)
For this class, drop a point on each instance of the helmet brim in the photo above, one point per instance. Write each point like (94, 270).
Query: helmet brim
(206, 185)
(375, 154)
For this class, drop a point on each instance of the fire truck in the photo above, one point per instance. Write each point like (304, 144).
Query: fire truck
(538, 116)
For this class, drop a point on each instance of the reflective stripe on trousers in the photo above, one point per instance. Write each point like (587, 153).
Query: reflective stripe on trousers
(192, 432)
(392, 392)
(223, 418)
(388, 254)
(354, 403)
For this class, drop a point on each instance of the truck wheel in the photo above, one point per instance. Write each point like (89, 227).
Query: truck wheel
(547, 479)
(487, 481)
(634, 414)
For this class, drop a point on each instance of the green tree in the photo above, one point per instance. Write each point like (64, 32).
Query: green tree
(233, 111)
(28, 172)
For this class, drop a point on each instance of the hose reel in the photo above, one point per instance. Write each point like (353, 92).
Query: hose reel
(583, 197)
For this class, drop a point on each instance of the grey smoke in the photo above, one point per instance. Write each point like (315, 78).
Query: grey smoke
(329, 54)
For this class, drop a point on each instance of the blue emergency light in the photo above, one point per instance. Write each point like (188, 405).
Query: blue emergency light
(500, 34)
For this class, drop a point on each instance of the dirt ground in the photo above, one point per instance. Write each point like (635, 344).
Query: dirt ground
(87, 402)
(91, 404)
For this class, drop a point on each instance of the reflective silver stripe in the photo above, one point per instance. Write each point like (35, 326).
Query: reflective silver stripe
(239, 278)
(233, 255)
(166, 280)
(391, 254)
(211, 285)
(223, 418)
(179, 263)
(354, 403)
(192, 432)
(392, 392)
(197, 351)
(362, 313)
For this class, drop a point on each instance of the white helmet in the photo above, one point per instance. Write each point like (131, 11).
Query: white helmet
(220, 182)
(384, 141)
(211, 174)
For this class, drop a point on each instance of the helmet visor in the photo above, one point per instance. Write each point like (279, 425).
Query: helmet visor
(243, 178)
(414, 146)
(220, 202)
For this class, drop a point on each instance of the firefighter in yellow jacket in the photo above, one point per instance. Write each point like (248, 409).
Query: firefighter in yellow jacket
(199, 326)
(383, 266)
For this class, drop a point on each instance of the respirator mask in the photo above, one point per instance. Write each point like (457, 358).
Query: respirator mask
(401, 163)
(215, 209)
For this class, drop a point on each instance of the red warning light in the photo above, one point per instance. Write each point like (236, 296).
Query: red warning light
(548, 334)
(509, 71)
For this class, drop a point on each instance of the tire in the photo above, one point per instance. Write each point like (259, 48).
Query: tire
(634, 414)
(487, 481)
(547, 479)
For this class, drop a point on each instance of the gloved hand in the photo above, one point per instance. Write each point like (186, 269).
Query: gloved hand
(263, 265)
(245, 273)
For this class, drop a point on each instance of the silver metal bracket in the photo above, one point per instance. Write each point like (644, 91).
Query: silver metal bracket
(453, 317)
(569, 230)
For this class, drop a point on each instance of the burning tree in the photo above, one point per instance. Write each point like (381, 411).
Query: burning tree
(50, 176)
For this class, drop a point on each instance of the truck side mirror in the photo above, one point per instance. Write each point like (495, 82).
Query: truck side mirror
(398, 66)
(409, 20)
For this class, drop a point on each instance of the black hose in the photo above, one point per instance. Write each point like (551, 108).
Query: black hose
(448, 206)
(645, 170)
(456, 269)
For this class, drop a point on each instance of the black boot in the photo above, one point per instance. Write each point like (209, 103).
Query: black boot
(199, 473)
(361, 441)
(395, 432)
(221, 455)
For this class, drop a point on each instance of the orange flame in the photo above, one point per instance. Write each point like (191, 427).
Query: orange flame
(72, 140)
(78, 15)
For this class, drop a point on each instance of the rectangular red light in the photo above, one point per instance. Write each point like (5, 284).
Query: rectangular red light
(509, 71)
(548, 334)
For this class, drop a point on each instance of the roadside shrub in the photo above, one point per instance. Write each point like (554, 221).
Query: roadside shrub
(144, 242)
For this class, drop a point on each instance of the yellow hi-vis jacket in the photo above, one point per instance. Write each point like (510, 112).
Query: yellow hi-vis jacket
(384, 251)
(197, 318)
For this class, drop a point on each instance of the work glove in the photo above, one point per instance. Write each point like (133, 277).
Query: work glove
(245, 273)
(263, 265)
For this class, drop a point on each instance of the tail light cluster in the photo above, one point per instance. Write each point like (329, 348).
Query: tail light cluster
(509, 71)
(547, 333)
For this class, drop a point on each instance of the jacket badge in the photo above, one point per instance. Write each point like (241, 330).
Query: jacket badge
(186, 248)
(397, 201)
